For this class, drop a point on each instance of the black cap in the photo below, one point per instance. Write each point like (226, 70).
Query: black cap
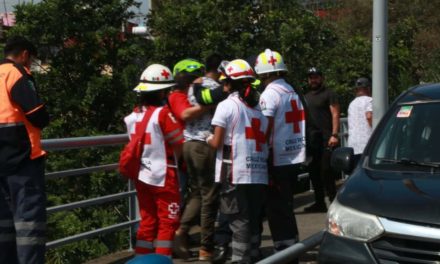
(314, 70)
(362, 82)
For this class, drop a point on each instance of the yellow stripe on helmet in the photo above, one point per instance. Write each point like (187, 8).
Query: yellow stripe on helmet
(206, 96)
(263, 58)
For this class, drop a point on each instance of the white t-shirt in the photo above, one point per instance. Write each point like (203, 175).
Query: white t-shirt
(198, 128)
(224, 116)
(359, 131)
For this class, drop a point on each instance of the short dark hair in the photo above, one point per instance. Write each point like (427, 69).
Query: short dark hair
(184, 79)
(151, 98)
(212, 62)
(17, 44)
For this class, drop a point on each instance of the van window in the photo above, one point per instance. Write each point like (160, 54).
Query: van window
(410, 140)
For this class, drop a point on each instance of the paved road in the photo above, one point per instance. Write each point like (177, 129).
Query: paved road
(308, 224)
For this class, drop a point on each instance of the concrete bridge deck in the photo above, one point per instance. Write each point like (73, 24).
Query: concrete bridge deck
(308, 224)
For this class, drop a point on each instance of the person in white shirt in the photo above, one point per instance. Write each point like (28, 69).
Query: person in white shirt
(360, 117)
(282, 105)
(241, 164)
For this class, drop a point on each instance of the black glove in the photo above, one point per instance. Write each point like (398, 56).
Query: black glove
(206, 96)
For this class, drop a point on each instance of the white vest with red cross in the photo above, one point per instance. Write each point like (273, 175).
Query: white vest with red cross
(249, 149)
(154, 159)
(288, 134)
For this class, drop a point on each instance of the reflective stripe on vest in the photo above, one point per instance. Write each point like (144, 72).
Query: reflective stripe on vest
(11, 113)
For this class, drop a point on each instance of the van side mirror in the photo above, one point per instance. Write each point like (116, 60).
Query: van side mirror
(342, 159)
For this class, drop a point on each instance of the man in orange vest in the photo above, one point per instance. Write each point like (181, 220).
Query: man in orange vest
(22, 185)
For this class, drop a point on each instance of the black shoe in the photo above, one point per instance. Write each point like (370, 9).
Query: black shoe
(180, 246)
(316, 208)
(220, 254)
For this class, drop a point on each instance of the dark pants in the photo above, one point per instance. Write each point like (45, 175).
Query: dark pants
(223, 234)
(23, 214)
(203, 193)
(279, 207)
(322, 175)
(242, 204)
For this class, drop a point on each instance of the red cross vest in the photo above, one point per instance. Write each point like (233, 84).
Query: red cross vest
(288, 139)
(154, 159)
(249, 150)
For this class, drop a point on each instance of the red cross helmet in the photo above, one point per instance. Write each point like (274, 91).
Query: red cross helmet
(239, 69)
(269, 61)
(155, 77)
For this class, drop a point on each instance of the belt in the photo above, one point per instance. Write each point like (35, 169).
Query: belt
(11, 124)
(171, 163)
(227, 150)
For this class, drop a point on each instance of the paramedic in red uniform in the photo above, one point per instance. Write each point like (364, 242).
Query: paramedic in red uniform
(157, 185)
(22, 186)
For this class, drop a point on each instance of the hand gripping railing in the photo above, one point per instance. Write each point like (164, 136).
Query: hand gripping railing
(83, 142)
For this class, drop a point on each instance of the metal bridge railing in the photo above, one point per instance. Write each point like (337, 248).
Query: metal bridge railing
(86, 142)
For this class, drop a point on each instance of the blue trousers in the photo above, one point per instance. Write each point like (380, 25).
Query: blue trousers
(23, 214)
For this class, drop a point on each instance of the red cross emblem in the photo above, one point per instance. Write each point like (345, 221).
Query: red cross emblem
(272, 60)
(295, 116)
(173, 208)
(165, 74)
(230, 69)
(147, 137)
(254, 132)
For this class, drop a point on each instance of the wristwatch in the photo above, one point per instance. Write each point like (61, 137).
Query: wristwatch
(335, 135)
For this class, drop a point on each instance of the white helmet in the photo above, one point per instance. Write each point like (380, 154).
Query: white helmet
(239, 69)
(269, 61)
(155, 77)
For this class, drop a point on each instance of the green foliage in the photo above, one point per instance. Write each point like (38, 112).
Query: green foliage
(91, 69)
(413, 44)
(81, 40)
(239, 29)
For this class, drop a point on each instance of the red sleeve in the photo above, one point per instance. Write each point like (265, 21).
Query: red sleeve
(178, 102)
(172, 130)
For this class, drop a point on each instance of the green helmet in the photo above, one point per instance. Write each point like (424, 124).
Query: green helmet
(188, 66)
